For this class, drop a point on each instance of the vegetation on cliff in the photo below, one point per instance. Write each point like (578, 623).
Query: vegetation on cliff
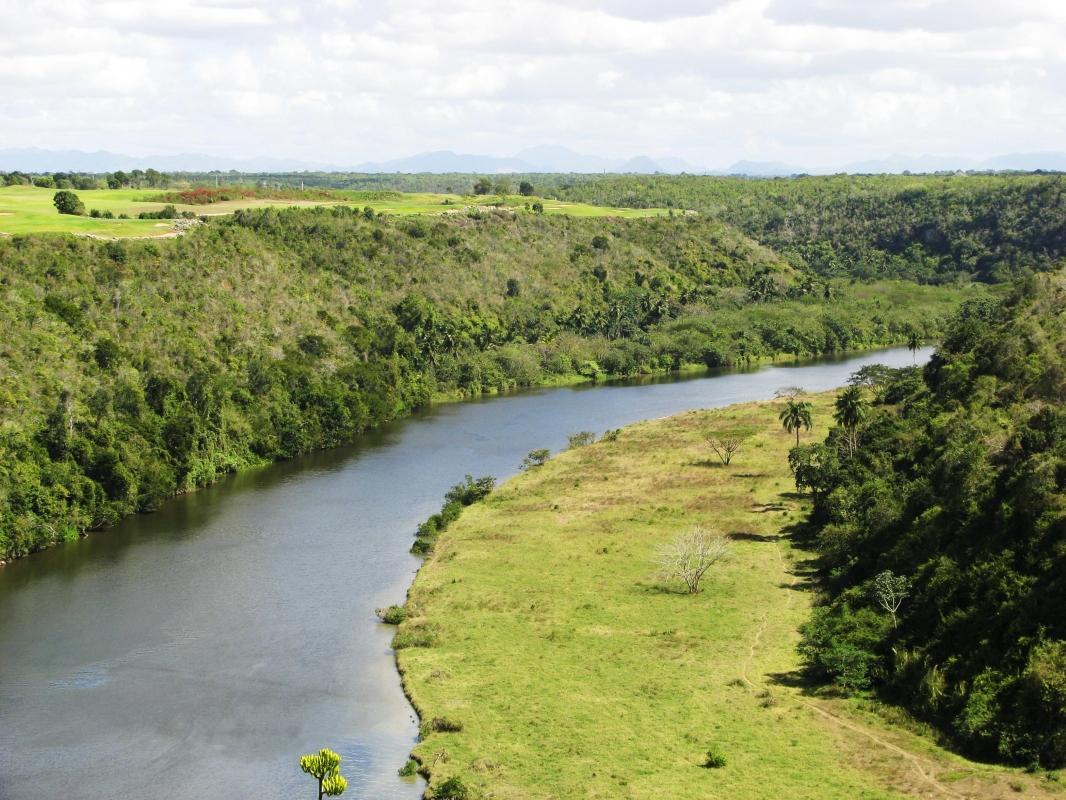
(136, 369)
(955, 488)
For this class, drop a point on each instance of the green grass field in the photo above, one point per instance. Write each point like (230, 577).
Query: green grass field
(29, 209)
(574, 673)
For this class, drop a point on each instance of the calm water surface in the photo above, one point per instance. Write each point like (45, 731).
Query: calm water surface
(194, 653)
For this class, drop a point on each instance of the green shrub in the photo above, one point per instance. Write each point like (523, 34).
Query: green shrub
(715, 758)
(580, 439)
(442, 725)
(450, 512)
(844, 645)
(470, 491)
(421, 636)
(67, 202)
(166, 212)
(451, 789)
(393, 615)
(536, 458)
(410, 769)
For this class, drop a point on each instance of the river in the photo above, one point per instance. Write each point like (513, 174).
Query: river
(196, 652)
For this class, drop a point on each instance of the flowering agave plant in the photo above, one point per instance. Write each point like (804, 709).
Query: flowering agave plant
(325, 766)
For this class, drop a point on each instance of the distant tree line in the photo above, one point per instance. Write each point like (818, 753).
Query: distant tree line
(134, 179)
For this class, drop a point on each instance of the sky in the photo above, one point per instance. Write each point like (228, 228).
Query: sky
(345, 81)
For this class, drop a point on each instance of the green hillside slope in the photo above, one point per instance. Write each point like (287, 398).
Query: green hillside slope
(958, 486)
(136, 369)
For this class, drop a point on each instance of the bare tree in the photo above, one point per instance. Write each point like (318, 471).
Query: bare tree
(690, 555)
(789, 392)
(891, 590)
(725, 447)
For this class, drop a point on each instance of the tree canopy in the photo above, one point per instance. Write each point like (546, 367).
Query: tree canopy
(951, 521)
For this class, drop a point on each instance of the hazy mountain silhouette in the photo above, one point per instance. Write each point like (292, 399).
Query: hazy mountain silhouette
(542, 158)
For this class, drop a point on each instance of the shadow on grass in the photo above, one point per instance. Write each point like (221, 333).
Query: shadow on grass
(801, 533)
(768, 508)
(748, 536)
(711, 463)
(655, 587)
(808, 684)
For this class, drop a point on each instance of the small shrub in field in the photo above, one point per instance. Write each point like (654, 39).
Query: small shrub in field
(393, 615)
(536, 458)
(580, 439)
(715, 759)
(443, 725)
(451, 789)
(409, 769)
(611, 436)
(413, 637)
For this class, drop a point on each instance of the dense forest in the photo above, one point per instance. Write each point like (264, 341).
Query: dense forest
(942, 531)
(929, 228)
(136, 369)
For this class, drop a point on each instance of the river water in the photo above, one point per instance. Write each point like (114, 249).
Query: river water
(196, 652)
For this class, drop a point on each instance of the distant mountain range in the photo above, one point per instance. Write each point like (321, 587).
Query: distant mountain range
(544, 158)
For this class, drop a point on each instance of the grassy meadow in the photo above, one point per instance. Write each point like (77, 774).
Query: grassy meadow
(538, 627)
(29, 209)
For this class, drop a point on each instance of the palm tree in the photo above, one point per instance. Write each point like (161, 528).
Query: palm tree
(851, 410)
(914, 341)
(796, 415)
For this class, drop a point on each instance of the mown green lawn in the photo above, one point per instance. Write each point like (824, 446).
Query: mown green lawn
(575, 673)
(29, 209)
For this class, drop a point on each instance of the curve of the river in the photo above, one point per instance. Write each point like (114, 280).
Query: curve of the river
(194, 653)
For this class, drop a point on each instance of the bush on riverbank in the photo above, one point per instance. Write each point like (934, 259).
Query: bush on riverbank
(393, 615)
(467, 493)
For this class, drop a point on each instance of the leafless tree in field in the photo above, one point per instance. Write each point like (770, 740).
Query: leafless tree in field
(725, 447)
(789, 392)
(690, 555)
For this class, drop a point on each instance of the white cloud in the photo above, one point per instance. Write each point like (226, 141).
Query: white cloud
(342, 81)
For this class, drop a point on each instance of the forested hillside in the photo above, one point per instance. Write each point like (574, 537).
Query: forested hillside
(930, 228)
(136, 369)
(953, 509)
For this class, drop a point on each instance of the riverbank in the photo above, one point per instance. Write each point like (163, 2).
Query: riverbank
(564, 669)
